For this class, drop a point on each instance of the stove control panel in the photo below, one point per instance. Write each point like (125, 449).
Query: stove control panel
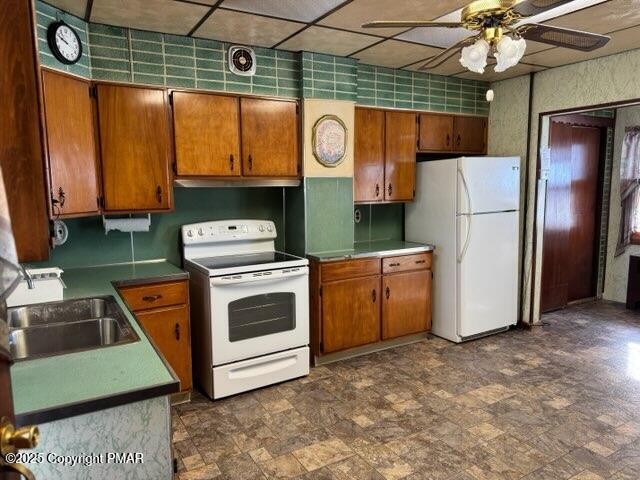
(228, 231)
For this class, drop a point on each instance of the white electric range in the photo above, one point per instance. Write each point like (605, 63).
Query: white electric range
(249, 306)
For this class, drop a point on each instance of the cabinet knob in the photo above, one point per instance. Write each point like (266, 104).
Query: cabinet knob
(177, 331)
(231, 162)
(373, 295)
(448, 139)
(61, 196)
(151, 298)
(250, 160)
(377, 189)
(390, 189)
(458, 140)
(387, 293)
(159, 194)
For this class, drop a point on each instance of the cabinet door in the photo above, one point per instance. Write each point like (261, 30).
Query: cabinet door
(207, 134)
(72, 145)
(368, 175)
(406, 304)
(169, 329)
(269, 137)
(470, 134)
(350, 313)
(135, 148)
(436, 133)
(400, 155)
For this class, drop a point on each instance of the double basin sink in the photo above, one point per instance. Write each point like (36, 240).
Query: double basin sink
(56, 328)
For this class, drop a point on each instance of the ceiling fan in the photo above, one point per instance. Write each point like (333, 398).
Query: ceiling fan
(501, 33)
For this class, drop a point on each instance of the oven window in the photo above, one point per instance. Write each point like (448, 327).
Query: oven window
(261, 315)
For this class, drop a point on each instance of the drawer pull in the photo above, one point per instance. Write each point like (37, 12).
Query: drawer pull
(377, 190)
(394, 264)
(388, 293)
(373, 295)
(420, 261)
(151, 298)
(177, 331)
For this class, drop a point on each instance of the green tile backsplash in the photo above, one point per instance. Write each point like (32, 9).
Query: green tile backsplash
(329, 213)
(383, 221)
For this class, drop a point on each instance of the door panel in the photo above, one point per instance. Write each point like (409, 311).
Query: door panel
(436, 132)
(169, 329)
(135, 148)
(207, 134)
(269, 137)
(406, 303)
(487, 272)
(368, 155)
(585, 152)
(350, 313)
(72, 144)
(493, 184)
(400, 155)
(470, 134)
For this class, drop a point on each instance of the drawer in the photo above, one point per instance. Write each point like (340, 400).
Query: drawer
(345, 269)
(155, 295)
(419, 261)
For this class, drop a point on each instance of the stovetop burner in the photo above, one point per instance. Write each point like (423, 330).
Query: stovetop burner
(252, 259)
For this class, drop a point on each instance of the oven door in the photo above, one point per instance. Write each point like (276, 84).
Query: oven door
(258, 313)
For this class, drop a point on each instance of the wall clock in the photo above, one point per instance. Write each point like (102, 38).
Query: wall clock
(64, 43)
(329, 140)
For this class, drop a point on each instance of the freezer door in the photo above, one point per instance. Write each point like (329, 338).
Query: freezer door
(487, 272)
(488, 184)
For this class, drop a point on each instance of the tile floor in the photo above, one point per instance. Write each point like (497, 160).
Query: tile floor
(557, 402)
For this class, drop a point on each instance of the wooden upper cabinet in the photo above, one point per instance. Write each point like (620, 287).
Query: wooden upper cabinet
(470, 134)
(400, 155)
(269, 137)
(350, 313)
(406, 303)
(435, 132)
(368, 155)
(136, 149)
(207, 134)
(71, 144)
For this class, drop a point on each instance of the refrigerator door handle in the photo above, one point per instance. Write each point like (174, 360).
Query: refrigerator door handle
(466, 190)
(467, 238)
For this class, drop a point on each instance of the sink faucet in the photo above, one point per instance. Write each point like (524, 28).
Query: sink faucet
(27, 276)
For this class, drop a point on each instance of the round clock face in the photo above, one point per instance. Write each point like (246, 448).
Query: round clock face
(64, 43)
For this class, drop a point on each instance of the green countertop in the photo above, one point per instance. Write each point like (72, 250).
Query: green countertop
(71, 381)
(379, 248)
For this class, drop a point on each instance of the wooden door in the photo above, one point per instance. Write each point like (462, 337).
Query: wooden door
(406, 303)
(71, 144)
(21, 149)
(583, 236)
(207, 134)
(269, 137)
(135, 147)
(400, 156)
(350, 313)
(470, 134)
(169, 329)
(368, 175)
(572, 210)
(435, 132)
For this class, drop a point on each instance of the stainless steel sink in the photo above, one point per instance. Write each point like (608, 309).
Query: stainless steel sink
(55, 328)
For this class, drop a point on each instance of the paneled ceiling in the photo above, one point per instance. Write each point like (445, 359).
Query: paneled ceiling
(334, 27)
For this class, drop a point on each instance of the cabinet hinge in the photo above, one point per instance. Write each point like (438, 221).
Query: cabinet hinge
(174, 165)
(320, 291)
(171, 99)
(100, 201)
(93, 91)
(321, 347)
(297, 108)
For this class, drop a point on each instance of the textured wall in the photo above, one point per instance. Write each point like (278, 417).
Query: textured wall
(615, 286)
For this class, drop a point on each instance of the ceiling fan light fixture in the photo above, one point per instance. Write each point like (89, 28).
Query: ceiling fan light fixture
(474, 57)
(509, 52)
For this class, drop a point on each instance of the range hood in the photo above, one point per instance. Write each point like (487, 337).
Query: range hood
(233, 182)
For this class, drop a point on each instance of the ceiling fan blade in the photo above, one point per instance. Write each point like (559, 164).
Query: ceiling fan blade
(446, 54)
(528, 8)
(410, 24)
(562, 37)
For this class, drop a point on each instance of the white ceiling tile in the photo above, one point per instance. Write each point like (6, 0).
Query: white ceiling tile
(77, 7)
(561, 10)
(156, 15)
(394, 53)
(244, 28)
(303, 10)
(436, 36)
(627, 39)
(326, 40)
(603, 18)
(354, 14)
(450, 67)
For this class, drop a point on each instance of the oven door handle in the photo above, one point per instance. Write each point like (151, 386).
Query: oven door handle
(249, 278)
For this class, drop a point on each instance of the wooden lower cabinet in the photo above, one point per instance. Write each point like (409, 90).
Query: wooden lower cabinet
(406, 304)
(365, 301)
(162, 309)
(350, 313)
(169, 328)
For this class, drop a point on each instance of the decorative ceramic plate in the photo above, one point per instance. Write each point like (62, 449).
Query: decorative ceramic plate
(329, 140)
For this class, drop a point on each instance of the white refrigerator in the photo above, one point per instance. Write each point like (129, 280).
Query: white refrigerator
(469, 209)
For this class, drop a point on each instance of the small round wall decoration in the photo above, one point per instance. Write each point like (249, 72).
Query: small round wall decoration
(329, 140)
